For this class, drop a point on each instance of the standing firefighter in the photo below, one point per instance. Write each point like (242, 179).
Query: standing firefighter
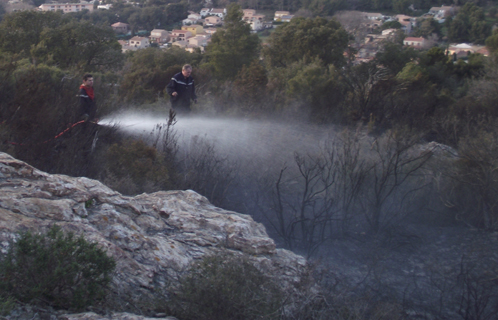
(181, 90)
(88, 108)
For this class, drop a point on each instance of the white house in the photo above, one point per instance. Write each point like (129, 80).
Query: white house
(204, 12)
(415, 42)
(66, 7)
(373, 15)
(159, 36)
(280, 14)
(464, 49)
(139, 42)
(257, 25)
(218, 12)
(194, 16)
(188, 21)
(442, 12)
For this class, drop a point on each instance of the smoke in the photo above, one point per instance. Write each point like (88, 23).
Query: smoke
(248, 141)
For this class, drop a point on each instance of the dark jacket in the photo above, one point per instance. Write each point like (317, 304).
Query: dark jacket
(87, 105)
(185, 88)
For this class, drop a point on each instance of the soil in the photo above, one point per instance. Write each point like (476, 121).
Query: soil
(434, 273)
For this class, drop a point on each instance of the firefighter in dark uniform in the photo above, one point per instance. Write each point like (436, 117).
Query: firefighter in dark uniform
(181, 90)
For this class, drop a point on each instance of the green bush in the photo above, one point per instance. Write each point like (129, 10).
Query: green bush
(134, 167)
(226, 287)
(6, 305)
(56, 269)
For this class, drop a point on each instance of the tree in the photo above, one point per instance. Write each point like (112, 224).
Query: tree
(2, 10)
(314, 199)
(355, 22)
(232, 46)
(54, 39)
(175, 12)
(394, 164)
(250, 87)
(469, 25)
(79, 44)
(20, 30)
(150, 70)
(469, 185)
(428, 27)
(56, 269)
(307, 39)
(492, 43)
(395, 56)
(318, 88)
(391, 25)
(327, 7)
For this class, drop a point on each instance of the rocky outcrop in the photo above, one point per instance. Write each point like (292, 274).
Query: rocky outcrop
(153, 237)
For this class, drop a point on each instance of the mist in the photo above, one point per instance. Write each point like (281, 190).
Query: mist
(264, 143)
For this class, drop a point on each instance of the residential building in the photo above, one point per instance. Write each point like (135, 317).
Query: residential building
(139, 42)
(414, 42)
(194, 29)
(484, 51)
(210, 31)
(268, 24)
(181, 43)
(461, 50)
(66, 7)
(218, 12)
(180, 35)
(192, 18)
(280, 14)
(204, 12)
(120, 27)
(257, 25)
(104, 6)
(188, 22)
(373, 16)
(286, 18)
(255, 20)
(406, 22)
(186, 46)
(442, 12)
(159, 36)
(212, 21)
(248, 13)
(389, 32)
(199, 41)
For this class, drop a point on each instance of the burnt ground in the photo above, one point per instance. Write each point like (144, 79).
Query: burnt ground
(431, 273)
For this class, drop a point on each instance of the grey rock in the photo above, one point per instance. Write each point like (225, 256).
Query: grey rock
(152, 237)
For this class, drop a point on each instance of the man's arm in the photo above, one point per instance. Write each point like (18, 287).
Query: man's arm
(84, 102)
(171, 87)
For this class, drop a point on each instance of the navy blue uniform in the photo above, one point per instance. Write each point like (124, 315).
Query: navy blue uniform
(185, 88)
